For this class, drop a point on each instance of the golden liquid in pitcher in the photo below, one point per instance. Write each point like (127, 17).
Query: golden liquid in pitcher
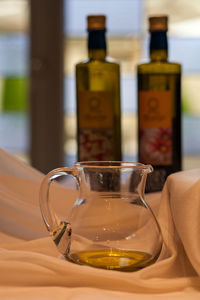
(112, 259)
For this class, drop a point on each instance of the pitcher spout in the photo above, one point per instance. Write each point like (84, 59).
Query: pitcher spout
(149, 169)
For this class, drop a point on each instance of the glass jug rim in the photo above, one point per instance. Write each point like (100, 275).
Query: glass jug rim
(112, 164)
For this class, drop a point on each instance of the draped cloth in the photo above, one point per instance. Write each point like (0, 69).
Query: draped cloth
(32, 268)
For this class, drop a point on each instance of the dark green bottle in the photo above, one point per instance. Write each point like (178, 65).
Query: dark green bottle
(159, 108)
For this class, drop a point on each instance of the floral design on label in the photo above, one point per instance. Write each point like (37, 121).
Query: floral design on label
(96, 144)
(156, 146)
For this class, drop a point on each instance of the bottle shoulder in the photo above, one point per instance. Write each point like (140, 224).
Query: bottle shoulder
(159, 67)
(108, 61)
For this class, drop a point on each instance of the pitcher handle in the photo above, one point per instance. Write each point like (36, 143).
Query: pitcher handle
(60, 231)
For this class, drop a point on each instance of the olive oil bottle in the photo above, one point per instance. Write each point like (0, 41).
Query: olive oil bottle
(159, 108)
(98, 99)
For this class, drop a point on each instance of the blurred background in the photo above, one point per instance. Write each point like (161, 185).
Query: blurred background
(21, 60)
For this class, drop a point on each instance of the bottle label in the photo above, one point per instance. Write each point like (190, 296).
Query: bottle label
(96, 125)
(155, 127)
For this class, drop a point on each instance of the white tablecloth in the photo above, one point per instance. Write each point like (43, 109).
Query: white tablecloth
(31, 267)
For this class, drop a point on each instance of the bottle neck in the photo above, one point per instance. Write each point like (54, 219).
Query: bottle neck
(158, 46)
(97, 44)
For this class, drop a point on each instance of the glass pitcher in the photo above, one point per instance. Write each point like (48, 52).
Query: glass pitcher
(111, 226)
